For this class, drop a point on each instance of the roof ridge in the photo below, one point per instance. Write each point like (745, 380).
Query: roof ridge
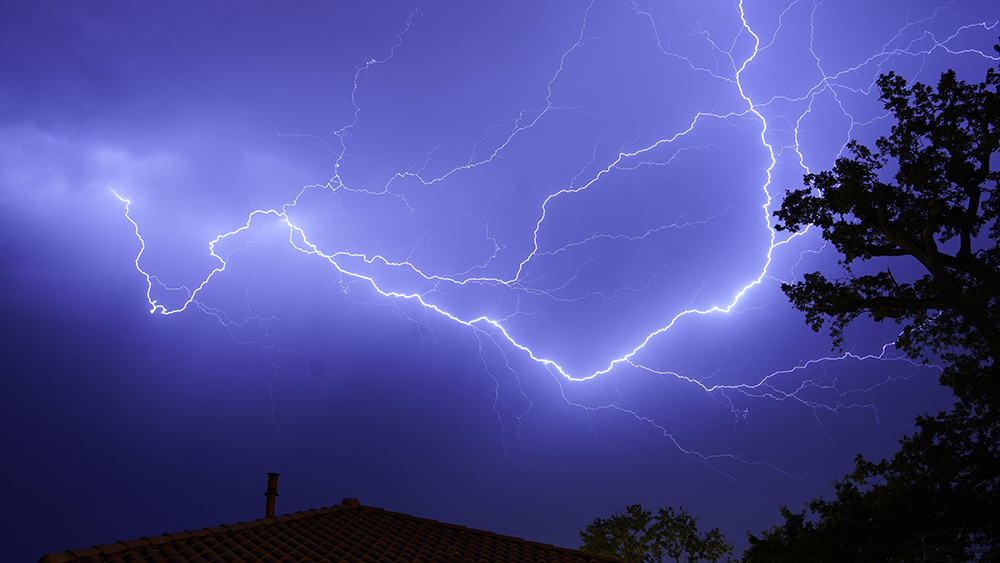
(492, 534)
(120, 545)
(346, 504)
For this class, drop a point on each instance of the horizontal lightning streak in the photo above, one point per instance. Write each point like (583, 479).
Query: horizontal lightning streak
(494, 329)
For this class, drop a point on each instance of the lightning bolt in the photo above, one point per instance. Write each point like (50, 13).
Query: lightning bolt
(492, 295)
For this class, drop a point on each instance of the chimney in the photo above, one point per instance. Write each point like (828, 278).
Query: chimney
(272, 491)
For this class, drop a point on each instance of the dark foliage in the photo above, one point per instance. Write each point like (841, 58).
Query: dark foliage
(638, 536)
(935, 500)
(940, 208)
(938, 498)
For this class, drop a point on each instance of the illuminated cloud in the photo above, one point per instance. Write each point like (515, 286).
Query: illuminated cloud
(586, 213)
(566, 205)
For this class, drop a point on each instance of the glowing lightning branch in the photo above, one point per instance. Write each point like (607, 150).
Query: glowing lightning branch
(665, 151)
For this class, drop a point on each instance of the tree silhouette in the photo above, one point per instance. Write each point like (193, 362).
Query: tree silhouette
(939, 496)
(936, 209)
(638, 536)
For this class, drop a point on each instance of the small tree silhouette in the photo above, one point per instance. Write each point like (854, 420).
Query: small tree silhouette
(637, 536)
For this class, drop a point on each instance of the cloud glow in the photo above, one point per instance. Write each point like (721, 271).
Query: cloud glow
(589, 206)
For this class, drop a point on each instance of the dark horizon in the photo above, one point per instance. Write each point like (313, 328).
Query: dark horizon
(506, 266)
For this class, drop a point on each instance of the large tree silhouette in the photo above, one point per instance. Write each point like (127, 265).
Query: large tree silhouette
(939, 207)
(928, 192)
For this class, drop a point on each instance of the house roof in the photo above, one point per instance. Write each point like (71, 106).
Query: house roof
(347, 532)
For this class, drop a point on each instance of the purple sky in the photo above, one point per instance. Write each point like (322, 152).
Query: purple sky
(502, 264)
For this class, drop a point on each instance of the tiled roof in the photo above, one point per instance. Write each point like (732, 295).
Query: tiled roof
(346, 532)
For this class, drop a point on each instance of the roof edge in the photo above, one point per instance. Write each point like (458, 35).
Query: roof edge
(347, 504)
(76, 554)
(592, 556)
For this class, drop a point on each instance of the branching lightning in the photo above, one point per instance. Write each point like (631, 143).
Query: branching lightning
(499, 341)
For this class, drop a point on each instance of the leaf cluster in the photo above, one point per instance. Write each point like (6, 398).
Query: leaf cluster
(637, 535)
(938, 499)
(939, 207)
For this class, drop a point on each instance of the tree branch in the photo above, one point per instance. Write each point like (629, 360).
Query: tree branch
(870, 303)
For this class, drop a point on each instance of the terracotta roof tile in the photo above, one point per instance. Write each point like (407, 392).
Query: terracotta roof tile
(348, 533)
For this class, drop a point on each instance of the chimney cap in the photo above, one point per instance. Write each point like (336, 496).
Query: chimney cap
(270, 493)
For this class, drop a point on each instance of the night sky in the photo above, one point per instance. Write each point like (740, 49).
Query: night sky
(502, 264)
